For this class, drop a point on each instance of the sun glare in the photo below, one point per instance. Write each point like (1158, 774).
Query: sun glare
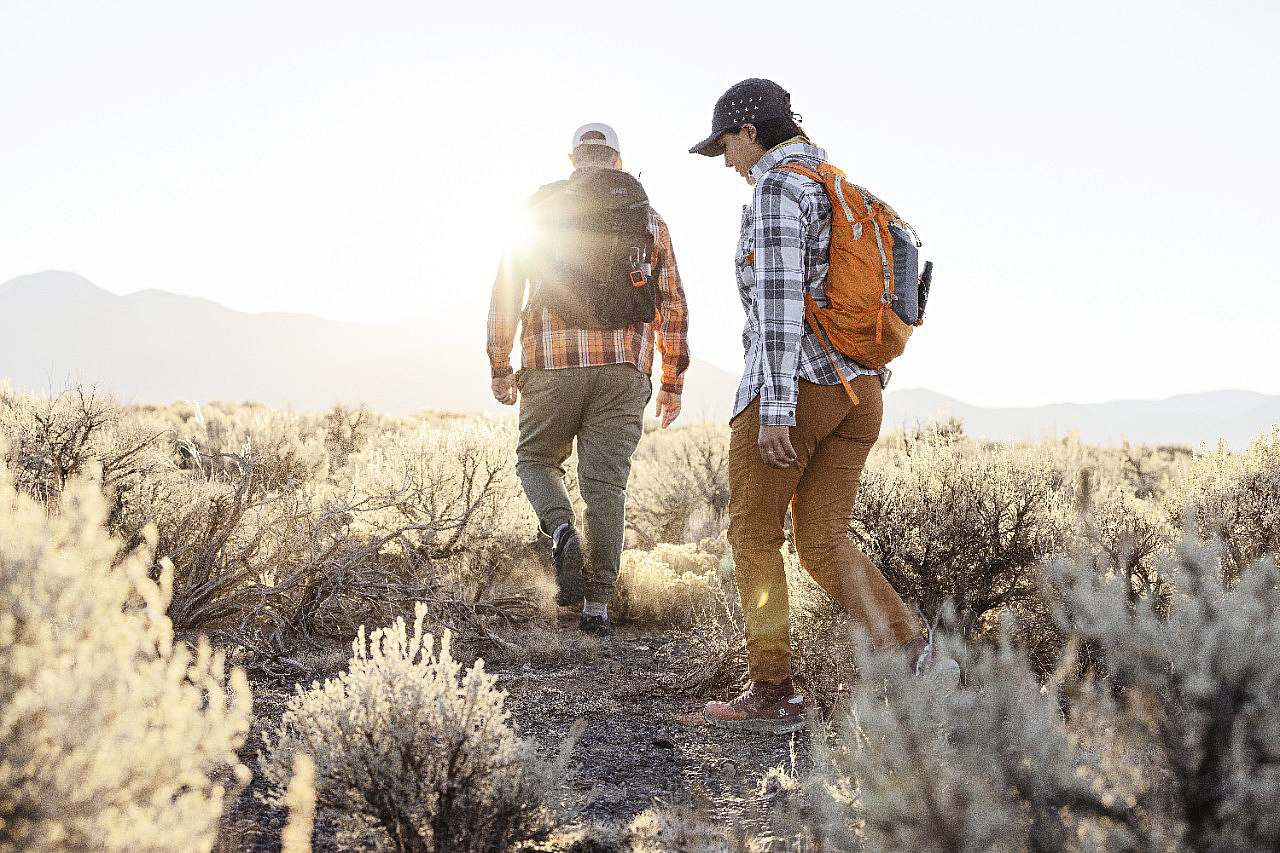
(517, 231)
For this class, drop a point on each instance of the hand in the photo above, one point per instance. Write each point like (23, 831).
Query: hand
(668, 407)
(775, 446)
(504, 389)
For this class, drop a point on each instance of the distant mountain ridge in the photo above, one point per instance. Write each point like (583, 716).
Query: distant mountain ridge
(59, 329)
(1238, 417)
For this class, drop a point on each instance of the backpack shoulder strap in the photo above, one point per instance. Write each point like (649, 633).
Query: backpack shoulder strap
(545, 193)
(795, 167)
(834, 182)
(824, 337)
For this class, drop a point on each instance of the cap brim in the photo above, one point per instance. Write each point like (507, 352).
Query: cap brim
(709, 147)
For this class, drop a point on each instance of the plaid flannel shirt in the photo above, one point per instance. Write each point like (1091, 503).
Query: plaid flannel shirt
(547, 342)
(782, 252)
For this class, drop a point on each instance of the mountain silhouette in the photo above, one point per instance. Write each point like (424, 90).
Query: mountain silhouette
(1190, 420)
(58, 329)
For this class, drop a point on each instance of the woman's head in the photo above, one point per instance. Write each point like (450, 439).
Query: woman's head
(744, 146)
(749, 119)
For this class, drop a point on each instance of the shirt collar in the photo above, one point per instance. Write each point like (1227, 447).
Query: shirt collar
(797, 147)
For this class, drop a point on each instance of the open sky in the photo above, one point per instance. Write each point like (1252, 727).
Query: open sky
(1095, 181)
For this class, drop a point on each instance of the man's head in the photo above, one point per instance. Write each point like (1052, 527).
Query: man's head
(595, 146)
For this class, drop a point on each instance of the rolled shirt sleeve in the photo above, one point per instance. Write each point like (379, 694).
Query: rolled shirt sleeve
(672, 324)
(505, 304)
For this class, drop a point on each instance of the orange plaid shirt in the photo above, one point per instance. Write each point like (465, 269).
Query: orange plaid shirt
(547, 342)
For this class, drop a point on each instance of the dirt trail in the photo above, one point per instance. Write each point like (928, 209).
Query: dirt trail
(643, 744)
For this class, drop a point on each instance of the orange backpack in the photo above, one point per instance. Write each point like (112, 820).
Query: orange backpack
(873, 287)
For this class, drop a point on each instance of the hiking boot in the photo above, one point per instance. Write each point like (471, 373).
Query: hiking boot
(762, 707)
(597, 625)
(923, 660)
(566, 554)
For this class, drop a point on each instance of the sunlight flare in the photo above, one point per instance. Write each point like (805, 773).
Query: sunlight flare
(517, 230)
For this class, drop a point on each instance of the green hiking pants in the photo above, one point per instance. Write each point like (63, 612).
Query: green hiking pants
(602, 408)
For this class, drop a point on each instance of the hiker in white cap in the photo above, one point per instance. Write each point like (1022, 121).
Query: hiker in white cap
(603, 294)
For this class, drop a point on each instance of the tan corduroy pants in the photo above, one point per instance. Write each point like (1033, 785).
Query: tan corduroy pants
(832, 438)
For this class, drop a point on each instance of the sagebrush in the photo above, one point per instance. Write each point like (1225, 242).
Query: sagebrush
(113, 735)
(414, 753)
(1114, 610)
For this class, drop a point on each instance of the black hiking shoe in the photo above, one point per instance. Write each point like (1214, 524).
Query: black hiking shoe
(597, 625)
(567, 556)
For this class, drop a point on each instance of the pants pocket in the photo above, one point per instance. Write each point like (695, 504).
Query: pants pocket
(641, 384)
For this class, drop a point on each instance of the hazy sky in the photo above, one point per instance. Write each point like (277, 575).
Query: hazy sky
(1095, 181)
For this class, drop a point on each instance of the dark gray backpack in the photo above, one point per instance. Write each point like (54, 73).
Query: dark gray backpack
(591, 253)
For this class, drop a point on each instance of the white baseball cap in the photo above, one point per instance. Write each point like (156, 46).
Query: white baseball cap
(610, 136)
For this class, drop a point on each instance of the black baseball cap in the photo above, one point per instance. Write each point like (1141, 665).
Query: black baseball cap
(747, 102)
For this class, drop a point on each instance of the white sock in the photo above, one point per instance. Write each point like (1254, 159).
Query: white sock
(596, 608)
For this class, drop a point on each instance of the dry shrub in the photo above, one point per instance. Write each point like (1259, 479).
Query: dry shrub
(1174, 748)
(916, 769)
(414, 754)
(679, 488)
(53, 440)
(672, 585)
(1147, 471)
(346, 431)
(715, 658)
(1197, 692)
(1124, 537)
(266, 569)
(541, 645)
(450, 489)
(676, 829)
(1131, 534)
(422, 514)
(112, 736)
(288, 449)
(1234, 497)
(946, 522)
(1141, 470)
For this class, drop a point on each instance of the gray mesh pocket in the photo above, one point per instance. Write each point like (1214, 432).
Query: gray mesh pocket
(906, 274)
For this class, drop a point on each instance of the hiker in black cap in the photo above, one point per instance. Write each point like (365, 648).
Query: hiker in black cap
(763, 104)
(798, 442)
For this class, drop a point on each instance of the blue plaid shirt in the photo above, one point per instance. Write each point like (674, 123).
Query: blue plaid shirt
(782, 252)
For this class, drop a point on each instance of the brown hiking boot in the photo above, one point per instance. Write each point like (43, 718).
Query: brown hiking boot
(762, 707)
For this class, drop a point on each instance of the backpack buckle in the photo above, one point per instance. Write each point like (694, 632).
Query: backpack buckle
(638, 277)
